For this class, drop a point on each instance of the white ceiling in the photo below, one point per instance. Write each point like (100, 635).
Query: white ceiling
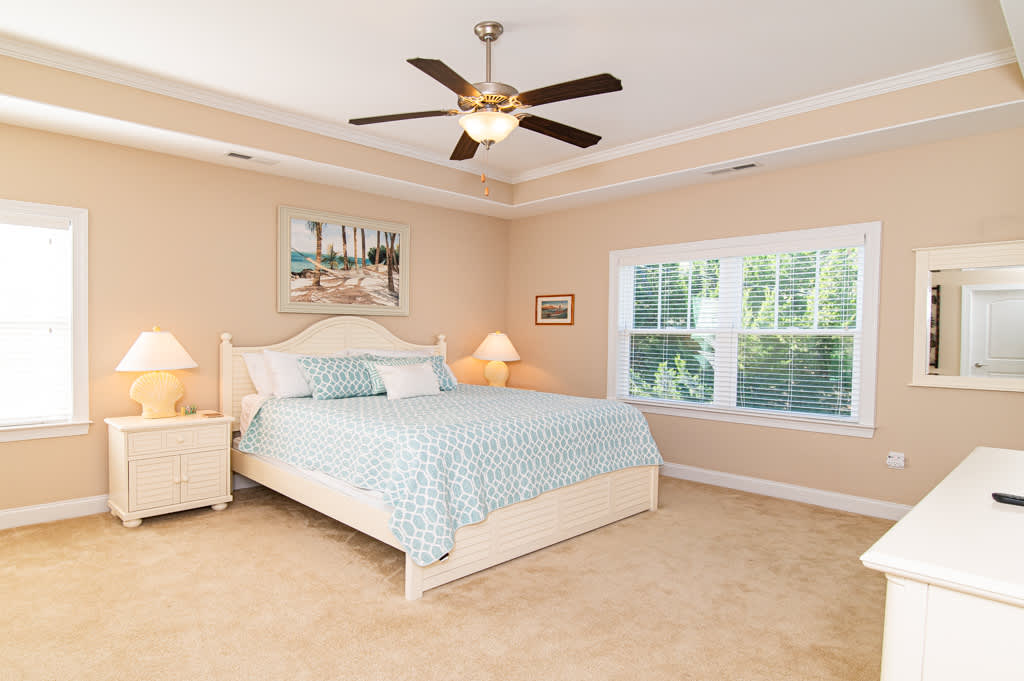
(683, 63)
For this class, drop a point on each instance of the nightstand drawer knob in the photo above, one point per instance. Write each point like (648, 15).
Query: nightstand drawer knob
(181, 438)
(184, 479)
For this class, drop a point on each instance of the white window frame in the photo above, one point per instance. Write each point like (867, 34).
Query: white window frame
(867, 234)
(23, 212)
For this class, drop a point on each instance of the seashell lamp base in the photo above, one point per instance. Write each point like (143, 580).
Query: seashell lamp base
(157, 392)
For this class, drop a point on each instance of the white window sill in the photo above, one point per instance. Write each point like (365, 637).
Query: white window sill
(754, 419)
(44, 430)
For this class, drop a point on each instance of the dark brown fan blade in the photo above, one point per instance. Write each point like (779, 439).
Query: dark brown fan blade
(439, 71)
(401, 117)
(464, 148)
(560, 131)
(583, 87)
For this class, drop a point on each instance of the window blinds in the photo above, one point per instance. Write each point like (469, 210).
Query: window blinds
(35, 321)
(775, 332)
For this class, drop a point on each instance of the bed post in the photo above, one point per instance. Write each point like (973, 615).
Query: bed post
(442, 346)
(413, 579)
(654, 488)
(226, 377)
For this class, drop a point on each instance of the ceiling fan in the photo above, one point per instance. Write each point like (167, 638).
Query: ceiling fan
(489, 106)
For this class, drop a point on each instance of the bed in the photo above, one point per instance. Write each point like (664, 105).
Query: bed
(502, 534)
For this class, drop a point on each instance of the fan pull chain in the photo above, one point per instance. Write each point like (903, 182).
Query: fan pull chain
(483, 174)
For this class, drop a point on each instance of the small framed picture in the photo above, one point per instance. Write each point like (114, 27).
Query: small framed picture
(555, 309)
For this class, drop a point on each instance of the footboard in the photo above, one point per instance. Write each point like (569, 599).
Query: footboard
(530, 525)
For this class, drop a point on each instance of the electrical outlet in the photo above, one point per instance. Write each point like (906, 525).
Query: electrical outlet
(895, 460)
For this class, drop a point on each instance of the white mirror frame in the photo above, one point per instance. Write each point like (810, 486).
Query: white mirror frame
(1000, 254)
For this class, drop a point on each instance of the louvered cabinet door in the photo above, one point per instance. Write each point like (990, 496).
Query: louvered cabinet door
(203, 475)
(153, 483)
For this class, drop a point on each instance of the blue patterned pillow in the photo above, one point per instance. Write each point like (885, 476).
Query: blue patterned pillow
(445, 378)
(334, 377)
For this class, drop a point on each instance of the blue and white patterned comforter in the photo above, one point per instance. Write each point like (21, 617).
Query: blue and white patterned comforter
(444, 461)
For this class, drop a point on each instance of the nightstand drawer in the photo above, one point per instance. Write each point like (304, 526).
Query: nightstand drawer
(180, 438)
(211, 436)
(145, 443)
(177, 439)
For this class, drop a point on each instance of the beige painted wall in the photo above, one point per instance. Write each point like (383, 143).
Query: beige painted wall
(964, 191)
(191, 246)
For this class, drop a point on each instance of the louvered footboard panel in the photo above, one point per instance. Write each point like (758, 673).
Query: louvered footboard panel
(533, 524)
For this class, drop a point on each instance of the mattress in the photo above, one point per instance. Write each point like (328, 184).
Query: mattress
(369, 497)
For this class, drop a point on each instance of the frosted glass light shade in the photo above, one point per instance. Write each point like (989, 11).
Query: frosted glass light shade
(497, 347)
(488, 126)
(156, 350)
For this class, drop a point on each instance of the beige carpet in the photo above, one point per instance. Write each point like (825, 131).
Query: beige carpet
(717, 585)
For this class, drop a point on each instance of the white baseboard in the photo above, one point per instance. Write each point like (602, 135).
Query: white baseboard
(808, 495)
(57, 510)
(73, 508)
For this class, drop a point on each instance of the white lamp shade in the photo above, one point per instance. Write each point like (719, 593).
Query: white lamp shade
(156, 351)
(488, 126)
(497, 347)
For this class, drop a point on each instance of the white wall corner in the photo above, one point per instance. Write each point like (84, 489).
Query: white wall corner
(808, 495)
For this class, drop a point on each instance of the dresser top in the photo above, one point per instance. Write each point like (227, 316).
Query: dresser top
(958, 536)
(137, 423)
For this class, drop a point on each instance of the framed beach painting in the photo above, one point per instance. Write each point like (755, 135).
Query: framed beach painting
(337, 264)
(558, 309)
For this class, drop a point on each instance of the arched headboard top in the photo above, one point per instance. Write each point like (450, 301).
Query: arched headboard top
(324, 337)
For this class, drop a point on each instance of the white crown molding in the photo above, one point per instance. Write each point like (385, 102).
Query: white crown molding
(95, 68)
(102, 70)
(932, 74)
(875, 508)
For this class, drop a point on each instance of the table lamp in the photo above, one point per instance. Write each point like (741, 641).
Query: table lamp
(156, 352)
(498, 349)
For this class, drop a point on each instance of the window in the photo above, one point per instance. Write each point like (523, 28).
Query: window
(44, 391)
(777, 329)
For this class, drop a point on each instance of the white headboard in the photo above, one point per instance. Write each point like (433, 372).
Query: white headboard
(330, 335)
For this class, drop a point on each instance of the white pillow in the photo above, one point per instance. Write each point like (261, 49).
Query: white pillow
(286, 376)
(427, 352)
(411, 380)
(257, 366)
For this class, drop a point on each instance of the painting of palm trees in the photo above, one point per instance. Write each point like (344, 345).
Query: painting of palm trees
(337, 264)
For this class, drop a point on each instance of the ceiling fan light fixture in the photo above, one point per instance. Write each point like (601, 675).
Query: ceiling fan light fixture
(488, 127)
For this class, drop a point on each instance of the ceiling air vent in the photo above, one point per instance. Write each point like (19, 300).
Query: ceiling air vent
(730, 169)
(255, 159)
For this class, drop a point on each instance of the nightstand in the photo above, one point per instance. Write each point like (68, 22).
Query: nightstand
(171, 464)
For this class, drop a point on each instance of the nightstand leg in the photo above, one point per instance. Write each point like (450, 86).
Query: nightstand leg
(132, 523)
(219, 507)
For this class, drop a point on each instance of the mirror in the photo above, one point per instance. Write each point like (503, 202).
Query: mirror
(969, 317)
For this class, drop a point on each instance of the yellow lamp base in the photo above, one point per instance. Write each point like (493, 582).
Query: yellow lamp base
(157, 392)
(496, 373)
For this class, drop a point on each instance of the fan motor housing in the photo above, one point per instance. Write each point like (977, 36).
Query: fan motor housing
(493, 96)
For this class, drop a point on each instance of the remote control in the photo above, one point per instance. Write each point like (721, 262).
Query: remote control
(1004, 498)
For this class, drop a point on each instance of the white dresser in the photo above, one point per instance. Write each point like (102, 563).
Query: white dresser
(954, 607)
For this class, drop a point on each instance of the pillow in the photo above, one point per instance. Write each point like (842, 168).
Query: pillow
(411, 380)
(257, 367)
(445, 378)
(286, 376)
(331, 378)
